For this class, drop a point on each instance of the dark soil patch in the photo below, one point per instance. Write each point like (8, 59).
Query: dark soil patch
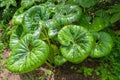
(65, 72)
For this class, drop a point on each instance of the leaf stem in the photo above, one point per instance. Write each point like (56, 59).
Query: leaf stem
(48, 64)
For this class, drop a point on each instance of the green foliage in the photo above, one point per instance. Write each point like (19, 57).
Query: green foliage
(105, 17)
(97, 24)
(7, 3)
(115, 11)
(28, 52)
(104, 44)
(68, 28)
(7, 11)
(59, 60)
(18, 16)
(109, 65)
(84, 3)
(58, 27)
(76, 43)
(4, 34)
(85, 20)
(87, 71)
(15, 36)
(33, 22)
(115, 17)
(87, 3)
(1, 49)
(29, 3)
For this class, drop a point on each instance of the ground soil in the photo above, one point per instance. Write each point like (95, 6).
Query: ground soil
(59, 74)
(63, 72)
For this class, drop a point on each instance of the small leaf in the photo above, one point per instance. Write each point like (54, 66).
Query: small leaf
(114, 9)
(115, 18)
(85, 20)
(27, 3)
(87, 3)
(98, 24)
(59, 60)
(18, 16)
(104, 15)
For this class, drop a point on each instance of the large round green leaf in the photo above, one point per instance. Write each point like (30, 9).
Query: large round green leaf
(33, 16)
(67, 14)
(103, 46)
(29, 54)
(76, 42)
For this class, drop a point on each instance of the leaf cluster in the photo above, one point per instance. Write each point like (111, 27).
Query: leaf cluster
(57, 31)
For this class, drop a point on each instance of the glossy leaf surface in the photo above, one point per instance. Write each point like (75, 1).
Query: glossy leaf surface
(87, 3)
(98, 24)
(29, 54)
(67, 14)
(59, 60)
(33, 16)
(103, 46)
(7, 3)
(27, 3)
(64, 15)
(18, 16)
(16, 36)
(85, 21)
(76, 42)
